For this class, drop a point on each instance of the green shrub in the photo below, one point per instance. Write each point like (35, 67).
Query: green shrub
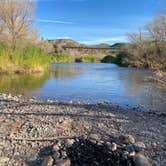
(61, 58)
(121, 59)
(108, 59)
(29, 59)
(90, 59)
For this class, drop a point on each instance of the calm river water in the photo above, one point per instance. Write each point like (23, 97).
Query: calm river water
(90, 83)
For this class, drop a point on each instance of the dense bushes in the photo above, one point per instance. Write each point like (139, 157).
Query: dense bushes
(149, 44)
(90, 59)
(108, 59)
(28, 59)
(61, 58)
(121, 59)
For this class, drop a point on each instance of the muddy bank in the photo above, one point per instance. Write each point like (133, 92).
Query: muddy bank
(31, 131)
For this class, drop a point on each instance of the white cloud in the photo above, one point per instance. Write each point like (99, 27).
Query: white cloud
(54, 21)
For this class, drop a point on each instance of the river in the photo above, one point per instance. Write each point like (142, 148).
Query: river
(127, 87)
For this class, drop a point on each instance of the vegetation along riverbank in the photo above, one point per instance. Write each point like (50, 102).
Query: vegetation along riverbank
(21, 50)
(34, 132)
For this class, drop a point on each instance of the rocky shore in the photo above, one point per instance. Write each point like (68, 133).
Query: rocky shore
(35, 133)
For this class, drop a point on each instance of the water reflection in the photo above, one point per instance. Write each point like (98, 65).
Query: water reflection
(64, 72)
(90, 82)
(22, 84)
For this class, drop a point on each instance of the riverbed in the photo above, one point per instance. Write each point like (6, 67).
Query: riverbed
(29, 128)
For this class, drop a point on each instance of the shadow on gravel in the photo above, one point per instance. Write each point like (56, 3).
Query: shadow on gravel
(87, 107)
(74, 116)
(85, 153)
(18, 104)
(44, 152)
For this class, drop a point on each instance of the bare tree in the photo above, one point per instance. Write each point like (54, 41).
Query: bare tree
(139, 40)
(150, 44)
(16, 21)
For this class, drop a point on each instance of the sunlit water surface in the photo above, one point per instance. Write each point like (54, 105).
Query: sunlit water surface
(90, 83)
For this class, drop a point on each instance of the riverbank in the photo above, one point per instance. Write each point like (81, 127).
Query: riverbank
(29, 59)
(29, 128)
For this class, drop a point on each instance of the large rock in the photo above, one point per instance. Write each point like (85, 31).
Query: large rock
(141, 160)
(126, 139)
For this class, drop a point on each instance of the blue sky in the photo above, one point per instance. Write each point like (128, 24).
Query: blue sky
(94, 21)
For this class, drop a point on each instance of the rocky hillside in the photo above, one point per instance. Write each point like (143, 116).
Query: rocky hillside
(66, 43)
(59, 45)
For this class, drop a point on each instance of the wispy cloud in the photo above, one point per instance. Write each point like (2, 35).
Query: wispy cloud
(54, 21)
(106, 40)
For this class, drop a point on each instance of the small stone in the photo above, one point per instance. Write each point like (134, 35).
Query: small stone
(57, 146)
(94, 138)
(132, 154)
(48, 161)
(154, 144)
(127, 139)
(70, 142)
(141, 160)
(113, 147)
(65, 162)
(4, 159)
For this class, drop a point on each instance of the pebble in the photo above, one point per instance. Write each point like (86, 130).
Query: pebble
(113, 147)
(94, 138)
(57, 146)
(70, 142)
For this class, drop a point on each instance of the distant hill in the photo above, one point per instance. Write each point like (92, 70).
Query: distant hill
(66, 43)
(102, 45)
(120, 45)
(72, 43)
